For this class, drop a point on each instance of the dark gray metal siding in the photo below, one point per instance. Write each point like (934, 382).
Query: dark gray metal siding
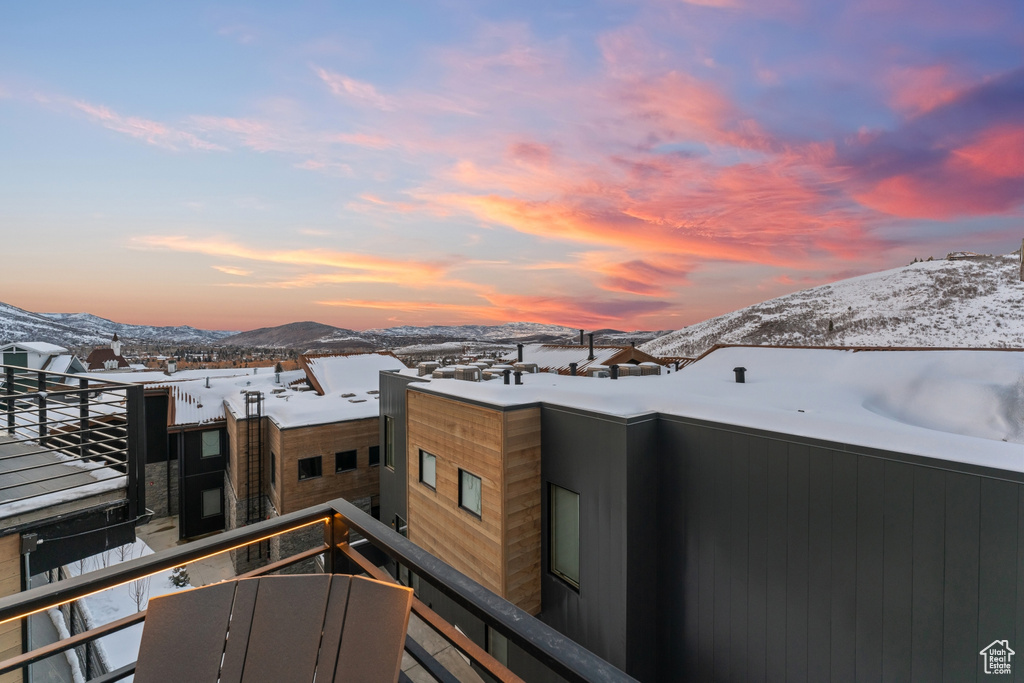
(586, 454)
(393, 494)
(798, 561)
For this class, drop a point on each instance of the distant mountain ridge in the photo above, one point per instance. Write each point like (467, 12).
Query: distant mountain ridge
(973, 302)
(85, 329)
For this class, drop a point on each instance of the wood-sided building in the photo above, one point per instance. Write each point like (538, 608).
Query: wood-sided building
(840, 515)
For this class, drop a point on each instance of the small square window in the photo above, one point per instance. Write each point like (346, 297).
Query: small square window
(311, 468)
(211, 443)
(428, 469)
(469, 492)
(374, 456)
(212, 502)
(345, 461)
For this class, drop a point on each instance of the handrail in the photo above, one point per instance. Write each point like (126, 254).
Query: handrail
(552, 649)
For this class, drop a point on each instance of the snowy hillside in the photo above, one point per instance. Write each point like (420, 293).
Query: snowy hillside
(84, 329)
(969, 303)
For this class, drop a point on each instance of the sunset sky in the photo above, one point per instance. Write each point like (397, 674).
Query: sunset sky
(638, 165)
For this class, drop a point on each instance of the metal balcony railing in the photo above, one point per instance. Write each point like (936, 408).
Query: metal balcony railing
(66, 436)
(551, 650)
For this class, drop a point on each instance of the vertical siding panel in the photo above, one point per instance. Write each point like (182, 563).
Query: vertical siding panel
(691, 589)
(897, 579)
(723, 555)
(1018, 668)
(998, 566)
(706, 599)
(844, 566)
(756, 559)
(960, 657)
(739, 542)
(819, 560)
(870, 492)
(929, 559)
(778, 473)
(797, 570)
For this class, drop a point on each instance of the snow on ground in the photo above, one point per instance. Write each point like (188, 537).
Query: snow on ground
(122, 647)
(970, 303)
(958, 405)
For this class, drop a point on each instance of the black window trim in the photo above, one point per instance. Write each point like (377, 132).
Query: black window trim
(354, 467)
(574, 585)
(318, 458)
(434, 486)
(478, 515)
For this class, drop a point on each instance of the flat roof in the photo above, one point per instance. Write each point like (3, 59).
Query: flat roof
(959, 405)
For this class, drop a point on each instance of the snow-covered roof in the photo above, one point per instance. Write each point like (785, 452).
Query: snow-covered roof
(960, 405)
(37, 347)
(558, 356)
(65, 362)
(330, 374)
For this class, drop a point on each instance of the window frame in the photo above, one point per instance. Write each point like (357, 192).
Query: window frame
(319, 459)
(273, 468)
(389, 442)
(202, 444)
(220, 501)
(430, 485)
(354, 454)
(374, 462)
(561, 573)
(466, 473)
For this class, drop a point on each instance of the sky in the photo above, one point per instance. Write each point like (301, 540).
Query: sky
(623, 164)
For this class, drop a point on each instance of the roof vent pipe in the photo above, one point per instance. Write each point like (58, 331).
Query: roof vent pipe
(591, 356)
(207, 382)
(507, 374)
(581, 331)
(519, 349)
(519, 377)
(572, 366)
(614, 369)
(740, 375)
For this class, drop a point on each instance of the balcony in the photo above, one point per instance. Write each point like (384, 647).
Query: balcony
(542, 653)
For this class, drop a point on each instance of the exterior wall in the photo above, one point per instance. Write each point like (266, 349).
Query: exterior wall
(499, 549)
(804, 560)
(393, 481)
(158, 499)
(357, 486)
(10, 583)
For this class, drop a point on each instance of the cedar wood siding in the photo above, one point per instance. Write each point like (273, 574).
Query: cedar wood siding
(501, 548)
(10, 583)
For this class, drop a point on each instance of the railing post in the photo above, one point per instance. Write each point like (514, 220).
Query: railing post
(135, 449)
(335, 534)
(10, 401)
(42, 409)
(83, 417)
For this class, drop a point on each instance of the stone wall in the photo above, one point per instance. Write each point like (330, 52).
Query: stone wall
(157, 498)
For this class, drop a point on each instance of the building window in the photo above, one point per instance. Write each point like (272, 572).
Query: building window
(345, 461)
(400, 526)
(374, 456)
(428, 469)
(212, 502)
(564, 534)
(211, 443)
(311, 468)
(273, 468)
(469, 492)
(497, 646)
(389, 442)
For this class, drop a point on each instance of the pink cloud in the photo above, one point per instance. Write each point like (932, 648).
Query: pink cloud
(149, 131)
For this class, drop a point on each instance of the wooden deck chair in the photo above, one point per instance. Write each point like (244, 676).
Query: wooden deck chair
(336, 627)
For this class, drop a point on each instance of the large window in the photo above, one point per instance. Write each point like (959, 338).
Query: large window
(311, 468)
(374, 456)
(211, 443)
(273, 468)
(428, 469)
(564, 534)
(469, 492)
(389, 442)
(345, 461)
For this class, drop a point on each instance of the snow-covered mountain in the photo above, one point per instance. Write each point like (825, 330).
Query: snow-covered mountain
(965, 303)
(88, 323)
